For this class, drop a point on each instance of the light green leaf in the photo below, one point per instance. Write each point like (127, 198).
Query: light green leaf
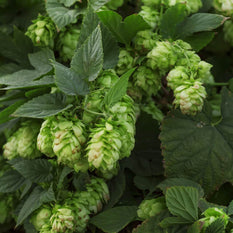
(61, 15)
(183, 202)
(123, 31)
(11, 181)
(96, 4)
(69, 81)
(34, 201)
(199, 22)
(36, 170)
(115, 219)
(68, 3)
(88, 59)
(171, 18)
(43, 106)
(119, 89)
(216, 227)
(196, 149)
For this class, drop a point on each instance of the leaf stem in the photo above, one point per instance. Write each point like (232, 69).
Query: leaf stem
(219, 84)
(95, 113)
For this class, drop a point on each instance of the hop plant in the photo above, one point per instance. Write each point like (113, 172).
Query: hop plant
(145, 41)
(126, 62)
(152, 3)
(204, 73)
(224, 6)
(190, 97)
(211, 215)
(41, 217)
(150, 208)
(228, 31)
(103, 151)
(23, 142)
(107, 79)
(67, 43)
(162, 57)
(150, 15)
(3, 3)
(113, 4)
(42, 32)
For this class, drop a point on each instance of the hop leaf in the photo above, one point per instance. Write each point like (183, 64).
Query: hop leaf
(113, 4)
(228, 31)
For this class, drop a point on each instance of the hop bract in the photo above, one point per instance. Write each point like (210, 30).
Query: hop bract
(150, 15)
(42, 32)
(224, 6)
(150, 208)
(126, 62)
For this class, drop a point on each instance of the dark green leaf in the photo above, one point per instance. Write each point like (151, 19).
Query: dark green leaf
(199, 22)
(171, 221)
(195, 228)
(230, 208)
(43, 106)
(36, 170)
(11, 181)
(123, 31)
(61, 15)
(38, 91)
(204, 205)
(88, 59)
(146, 183)
(34, 201)
(196, 149)
(200, 40)
(171, 18)
(96, 4)
(119, 89)
(69, 81)
(115, 219)
(65, 172)
(183, 202)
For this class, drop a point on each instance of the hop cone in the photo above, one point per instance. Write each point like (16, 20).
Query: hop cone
(63, 219)
(125, 63)
(147, 80)
(45, 137)
(150, 15)
(211, 215)
(104, 146)
(23, 142)
(107, 79)
(113, 4)
(149, 208)
(162, 57)
(224, 6)
(69, 137)
(190, 97)
(204, 73)
(67, 43)
(41, 217)
(42, 32)
(228, 31)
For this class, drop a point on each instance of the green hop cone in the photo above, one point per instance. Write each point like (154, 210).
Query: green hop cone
(103, 151)
(145, 41)
(45, 137)
(203, 72)
(162, 57)
(113, 4)
(47, 228)
(125, 63)
(211, 215)
(190, 97)
(42, 32)
(23, 142)
(67, 42)
(150, 15)
(147, 80)
(41, 217)
(152, 3)
(150, 208)
(224, 6)
(63, 219)
(107, 79)
(69, 138)
(228, 31)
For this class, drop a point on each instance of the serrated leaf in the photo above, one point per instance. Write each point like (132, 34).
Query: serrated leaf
(209, 161)
(230, 208)
(5, 114)
(119, 89)
(11, 181)
(34, 201)
(65, 171)
(97, 4)
(204, 205)
(195, 228)
(146, 183)
(216, 227)
(170, 182)
(67, 3)
(200, 40)
(199, 22)
(172, 221)
(88, 59)
(183, 202)
(69, 81)
(36, 170)
(43, 106)
(61, 15)
(115, 219)
(171, 18)
(123, 31)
